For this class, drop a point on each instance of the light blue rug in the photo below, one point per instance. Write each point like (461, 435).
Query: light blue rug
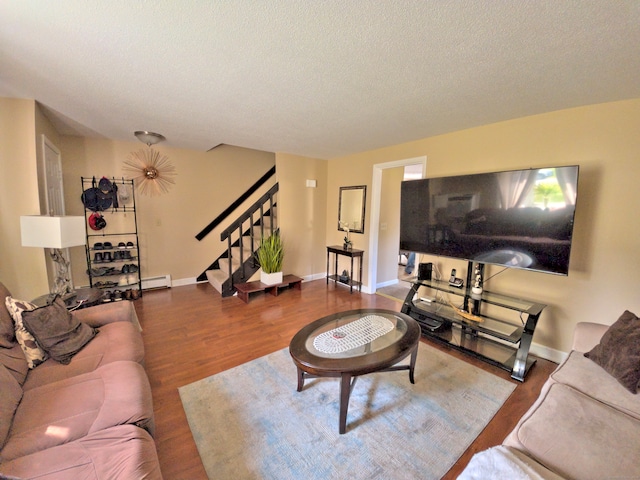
(250, 423)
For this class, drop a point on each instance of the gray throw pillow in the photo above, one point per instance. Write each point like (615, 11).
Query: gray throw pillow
(619, 351)
(57, 331)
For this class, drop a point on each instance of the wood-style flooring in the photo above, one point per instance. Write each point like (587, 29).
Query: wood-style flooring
(190, 333)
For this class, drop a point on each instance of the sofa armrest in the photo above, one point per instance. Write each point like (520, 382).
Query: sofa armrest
(99, 315)
(587, 335)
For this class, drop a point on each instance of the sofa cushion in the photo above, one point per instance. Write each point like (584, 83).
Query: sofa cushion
(57, 332)
(64, 411)
(32, 351)
(7, 331)
(120, 453)
(10, 395)
(583, 375)
(619, 351)
(14, 360)
(117, 341)
(579, 437)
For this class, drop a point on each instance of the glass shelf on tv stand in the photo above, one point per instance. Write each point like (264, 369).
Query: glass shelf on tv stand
(501, 342)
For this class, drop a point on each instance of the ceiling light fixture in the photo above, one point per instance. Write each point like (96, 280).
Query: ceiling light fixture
(149, 138)
(152, 172)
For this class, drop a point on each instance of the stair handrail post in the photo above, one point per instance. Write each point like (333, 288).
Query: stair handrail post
(230, 260)
(241, 245)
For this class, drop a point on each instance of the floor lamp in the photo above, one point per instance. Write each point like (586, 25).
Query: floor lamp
(56, 233)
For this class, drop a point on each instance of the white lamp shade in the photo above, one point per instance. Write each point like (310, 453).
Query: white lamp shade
(52, 232)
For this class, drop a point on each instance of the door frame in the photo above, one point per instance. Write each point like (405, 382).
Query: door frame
(376, 193)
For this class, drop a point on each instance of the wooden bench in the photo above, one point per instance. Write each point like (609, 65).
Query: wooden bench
(244, 289)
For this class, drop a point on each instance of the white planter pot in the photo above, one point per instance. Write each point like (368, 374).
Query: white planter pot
(270, 278)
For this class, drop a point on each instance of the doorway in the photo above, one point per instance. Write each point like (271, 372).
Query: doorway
(376, 201)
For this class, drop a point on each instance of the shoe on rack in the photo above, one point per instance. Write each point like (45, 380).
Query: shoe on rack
(107, 245)
(121, 245)
(97, 246)
(97, 258)
(133, 268)
(117, 255)
(125, 269)
(126, 255)
(107, 257)
(117, 295)
(129, 244)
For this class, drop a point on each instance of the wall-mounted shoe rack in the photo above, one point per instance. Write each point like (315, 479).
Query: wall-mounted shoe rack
(113, 252)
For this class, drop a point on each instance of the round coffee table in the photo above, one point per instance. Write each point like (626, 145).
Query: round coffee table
(353, 343)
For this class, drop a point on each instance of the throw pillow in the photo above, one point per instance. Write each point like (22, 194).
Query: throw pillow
(57, 331)
(619, 351)
(32, 351)
(10, 396)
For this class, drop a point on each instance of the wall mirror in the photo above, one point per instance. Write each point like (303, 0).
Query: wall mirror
(351, 208)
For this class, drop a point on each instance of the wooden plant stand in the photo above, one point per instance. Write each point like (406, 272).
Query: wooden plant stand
(244, 289)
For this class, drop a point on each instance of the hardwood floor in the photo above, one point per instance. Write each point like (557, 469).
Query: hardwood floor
(191, 333)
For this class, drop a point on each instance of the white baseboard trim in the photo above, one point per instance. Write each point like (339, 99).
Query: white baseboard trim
(547, 353)
(161, 281)
(388, 283)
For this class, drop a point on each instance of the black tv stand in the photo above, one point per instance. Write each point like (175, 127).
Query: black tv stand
(499, 340)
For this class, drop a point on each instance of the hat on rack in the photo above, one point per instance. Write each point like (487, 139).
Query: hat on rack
(124, 194)
(97, 221)
(95, 199)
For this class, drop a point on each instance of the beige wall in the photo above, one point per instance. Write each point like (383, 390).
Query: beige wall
(206, 183)
(603, 139)
(22, 269)
(302, 212)
(389, 231)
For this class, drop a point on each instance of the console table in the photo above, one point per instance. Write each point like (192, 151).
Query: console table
(338, 250)
(499, 341)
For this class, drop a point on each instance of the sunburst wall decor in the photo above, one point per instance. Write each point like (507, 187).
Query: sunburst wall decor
(152, 172)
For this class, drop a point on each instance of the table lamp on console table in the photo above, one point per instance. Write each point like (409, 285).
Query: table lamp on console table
(55, 233)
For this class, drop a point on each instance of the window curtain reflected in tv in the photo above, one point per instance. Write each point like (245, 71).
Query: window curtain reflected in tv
(515, 186)
(568, 180)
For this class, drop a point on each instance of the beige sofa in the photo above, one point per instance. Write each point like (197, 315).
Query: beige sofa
(90, 418)
(584, 425)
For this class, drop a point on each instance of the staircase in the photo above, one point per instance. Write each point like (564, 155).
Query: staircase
(237, 264)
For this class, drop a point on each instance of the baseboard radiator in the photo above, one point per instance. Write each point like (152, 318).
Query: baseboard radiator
(162, 281)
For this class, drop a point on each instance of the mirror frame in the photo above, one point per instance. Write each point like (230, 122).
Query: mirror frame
(363, 190)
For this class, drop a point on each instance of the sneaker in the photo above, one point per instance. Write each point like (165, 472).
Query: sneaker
(129, 244)
(121, 245)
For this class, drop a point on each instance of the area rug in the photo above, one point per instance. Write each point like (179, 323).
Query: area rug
(250, 423)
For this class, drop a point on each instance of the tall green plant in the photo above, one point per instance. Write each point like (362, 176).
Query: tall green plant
(270, 253)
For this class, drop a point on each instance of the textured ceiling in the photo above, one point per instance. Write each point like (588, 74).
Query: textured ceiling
(314, 78)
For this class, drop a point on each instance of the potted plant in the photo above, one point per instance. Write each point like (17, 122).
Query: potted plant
(269, 255)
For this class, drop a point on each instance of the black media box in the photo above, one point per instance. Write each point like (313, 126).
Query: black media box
(424, 271)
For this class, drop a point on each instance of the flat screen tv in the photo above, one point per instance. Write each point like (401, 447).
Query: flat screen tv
(518, 218)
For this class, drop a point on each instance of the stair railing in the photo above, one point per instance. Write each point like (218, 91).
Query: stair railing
(237, 226)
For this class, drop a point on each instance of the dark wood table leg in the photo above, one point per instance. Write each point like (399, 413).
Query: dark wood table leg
(412, 363)
(346, 385)
(300, 379)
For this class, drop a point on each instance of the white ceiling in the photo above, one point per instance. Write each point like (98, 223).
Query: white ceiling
(314, 78)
